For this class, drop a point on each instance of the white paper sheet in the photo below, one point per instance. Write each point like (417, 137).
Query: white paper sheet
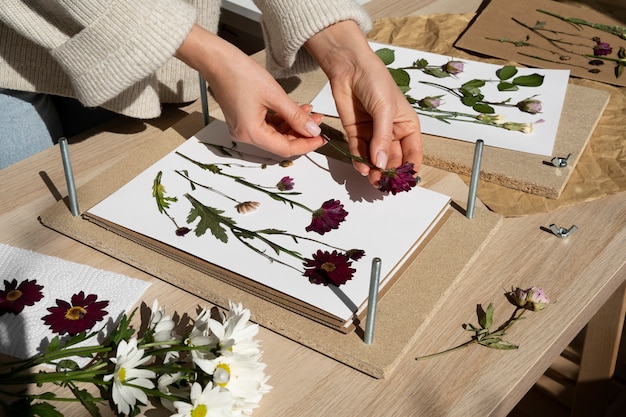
(384, 226)
(22, 335)
(551, 94)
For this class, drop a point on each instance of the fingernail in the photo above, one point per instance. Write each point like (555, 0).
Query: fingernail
(381, 159)
(312, 128)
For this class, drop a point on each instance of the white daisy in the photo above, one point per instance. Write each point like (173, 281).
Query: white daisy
(160, 324)
(127, 379)
(235, 334)
(207, 402)
(244, 377)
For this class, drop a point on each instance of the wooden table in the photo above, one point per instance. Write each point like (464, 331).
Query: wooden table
(580, 273)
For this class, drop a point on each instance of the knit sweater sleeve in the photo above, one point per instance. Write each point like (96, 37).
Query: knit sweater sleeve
(103, 46)
(288, 24)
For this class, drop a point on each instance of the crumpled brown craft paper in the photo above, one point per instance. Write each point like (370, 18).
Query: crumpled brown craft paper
(601, 169)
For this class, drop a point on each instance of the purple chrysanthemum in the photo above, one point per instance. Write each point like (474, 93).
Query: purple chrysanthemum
(327, 217)
(601, 48)
(328, 268)
(285, 184)
(398, 179)
(77, 317)
(15, 297)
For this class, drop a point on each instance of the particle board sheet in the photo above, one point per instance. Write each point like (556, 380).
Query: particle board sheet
(401, 313)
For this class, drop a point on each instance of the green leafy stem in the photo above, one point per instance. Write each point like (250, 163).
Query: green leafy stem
(483, 335)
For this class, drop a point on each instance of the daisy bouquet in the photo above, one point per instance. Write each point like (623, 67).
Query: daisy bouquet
(209, 366)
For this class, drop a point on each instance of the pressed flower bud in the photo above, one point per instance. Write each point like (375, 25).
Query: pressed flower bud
(247, 207)
(602, 48)
(519, 127)
(536, 299)
(517, 297)
(453, 67)
(285, 184)
(286, 163)
(530, 105)
(491, 118)
(429, 102)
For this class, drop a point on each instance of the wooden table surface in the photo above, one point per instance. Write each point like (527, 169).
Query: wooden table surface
(579, 273)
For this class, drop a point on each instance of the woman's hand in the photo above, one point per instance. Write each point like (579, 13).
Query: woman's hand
(250, 97)
(380, 123)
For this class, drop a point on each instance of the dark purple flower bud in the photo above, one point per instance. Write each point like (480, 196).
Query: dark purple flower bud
(602, 48)
(285, 184)
(529, 105)
(453, 67)
(355, 254)
(328, 268)
(429, 102)
(398, 179)
(327, 217)
(182, 231)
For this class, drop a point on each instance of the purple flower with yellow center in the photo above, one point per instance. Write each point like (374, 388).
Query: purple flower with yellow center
(328, 268)
(453, 67)
(285, 184)
(15, 297)
(398, 179)
(429, 102)
(327, 217)
(82, 314)
(529, 105)
(601, 48)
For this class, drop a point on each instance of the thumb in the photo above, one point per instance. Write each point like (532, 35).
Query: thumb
(299, 118)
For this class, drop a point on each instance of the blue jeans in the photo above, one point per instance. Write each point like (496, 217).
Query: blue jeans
(29, 124)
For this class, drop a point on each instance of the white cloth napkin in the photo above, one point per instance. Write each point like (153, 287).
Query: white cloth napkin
(23, 335)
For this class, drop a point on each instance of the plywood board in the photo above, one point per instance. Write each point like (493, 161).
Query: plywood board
(401, 313)
(519, 32)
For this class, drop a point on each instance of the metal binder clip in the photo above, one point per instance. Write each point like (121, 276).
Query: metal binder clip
(561, 231)
(560, 162)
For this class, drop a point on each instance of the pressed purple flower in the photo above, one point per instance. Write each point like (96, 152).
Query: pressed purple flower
(328, 268)
(327, 217)
(355, 254)
(596, 62)
(453, 67)
(398, 179)
(530, 105)
(429, 102)
(15, 297)
(285, 184)
(601, 48)
(82, 314)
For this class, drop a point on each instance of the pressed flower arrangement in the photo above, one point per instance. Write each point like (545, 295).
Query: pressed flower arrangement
(212, 368)
(469, 93)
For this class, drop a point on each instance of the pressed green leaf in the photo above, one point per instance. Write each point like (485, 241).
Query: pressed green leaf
(506, 72)
(483, 108)
(386, 55)
(404, 88)
(420, 63)
(482, 316)
(400, 76)
(532, 80)
(436, 72)
(619, 70)
(503, 345)
(210, 219)
(506, 86)
(469, 100)
(489, 317)
(67, 365)
(473, 84)
(621, 54)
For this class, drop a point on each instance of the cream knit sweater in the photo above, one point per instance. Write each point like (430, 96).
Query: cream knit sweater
(118, 54)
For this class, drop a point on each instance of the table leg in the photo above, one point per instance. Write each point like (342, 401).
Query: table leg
(599, 355)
